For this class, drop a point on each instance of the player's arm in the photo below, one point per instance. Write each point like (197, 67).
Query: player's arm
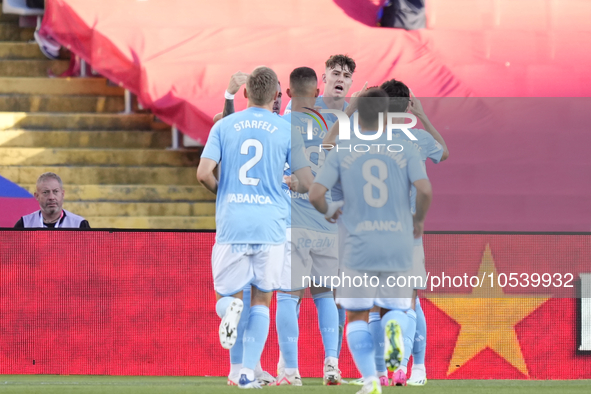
(317, 197)
(205, 174)
(416, 108)
(301, 180)
(210, 157)
(228, 107)
(326, 178)
(236, 81)
(424, 198)
(301, 172)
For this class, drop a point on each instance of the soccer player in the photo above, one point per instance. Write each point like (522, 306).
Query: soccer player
(337, 79)
(430, 145)
(376, 178)
(253, 146)
(311, 250)
(236, 352)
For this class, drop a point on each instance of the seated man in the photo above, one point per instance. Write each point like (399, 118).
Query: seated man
(50, 195)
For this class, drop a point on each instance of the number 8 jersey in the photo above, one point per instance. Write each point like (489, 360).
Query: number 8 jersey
(252, 147)
(376, 181)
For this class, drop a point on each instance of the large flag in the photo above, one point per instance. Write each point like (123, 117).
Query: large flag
(15, 202)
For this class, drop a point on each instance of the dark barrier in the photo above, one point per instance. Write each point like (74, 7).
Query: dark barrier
(141, 303)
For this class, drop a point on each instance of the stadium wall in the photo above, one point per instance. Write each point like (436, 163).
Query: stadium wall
(141, 303)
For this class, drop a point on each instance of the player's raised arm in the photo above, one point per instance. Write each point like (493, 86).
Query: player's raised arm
(416, 108)
(236, 81)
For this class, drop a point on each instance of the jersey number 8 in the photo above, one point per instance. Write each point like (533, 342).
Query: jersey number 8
(372, 182)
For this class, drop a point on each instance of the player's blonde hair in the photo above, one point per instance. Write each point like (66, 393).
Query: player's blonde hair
(261, 85)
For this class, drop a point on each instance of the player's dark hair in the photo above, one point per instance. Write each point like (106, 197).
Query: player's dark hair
(341, 60)
(399, 95)
(301, 79)
(371, 103)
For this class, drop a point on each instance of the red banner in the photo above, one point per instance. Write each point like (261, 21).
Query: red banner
(142, 303)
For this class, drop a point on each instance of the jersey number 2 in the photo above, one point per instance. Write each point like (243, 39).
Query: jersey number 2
(258, 155)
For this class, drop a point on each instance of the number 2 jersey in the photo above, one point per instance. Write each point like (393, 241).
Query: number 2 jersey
(376, 190)
(252, 147)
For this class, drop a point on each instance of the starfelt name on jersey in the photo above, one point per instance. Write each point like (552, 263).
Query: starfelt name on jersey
(255, 124)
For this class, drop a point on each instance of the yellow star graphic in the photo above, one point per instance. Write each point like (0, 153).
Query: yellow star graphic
(487, 319)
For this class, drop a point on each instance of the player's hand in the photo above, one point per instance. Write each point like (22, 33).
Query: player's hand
(236, 80)
(416, 108)
(334, 211)
(418, 228)
(353, 102)
(293, 182)
(334, 217)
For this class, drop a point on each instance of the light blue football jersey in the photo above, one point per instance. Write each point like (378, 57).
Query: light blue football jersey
(376, 190)
(253, 147)
(303, 214)
(336, 193)
(428, 148)
(287, 194)
(319, 103)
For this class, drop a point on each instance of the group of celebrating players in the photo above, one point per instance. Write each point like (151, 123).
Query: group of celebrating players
(295, 201)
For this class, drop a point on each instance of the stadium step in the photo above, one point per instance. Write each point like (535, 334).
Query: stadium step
(20, 50)
(106, 157)
(10, 31)
(142, 209)
(89, 139)
(11, 18)
(160, 222)
(137, 193)
(95, 175)
(58, 86)
(32, 68)
(73, 121)
(49, 103)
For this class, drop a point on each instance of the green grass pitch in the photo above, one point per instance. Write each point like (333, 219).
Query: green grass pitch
(50, 384)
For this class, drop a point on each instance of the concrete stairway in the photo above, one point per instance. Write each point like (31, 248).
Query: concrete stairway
(115, 167)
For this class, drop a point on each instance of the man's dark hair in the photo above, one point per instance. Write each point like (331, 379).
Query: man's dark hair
(399, 95)
(342, 60)
(371, 103)
(301, 79)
